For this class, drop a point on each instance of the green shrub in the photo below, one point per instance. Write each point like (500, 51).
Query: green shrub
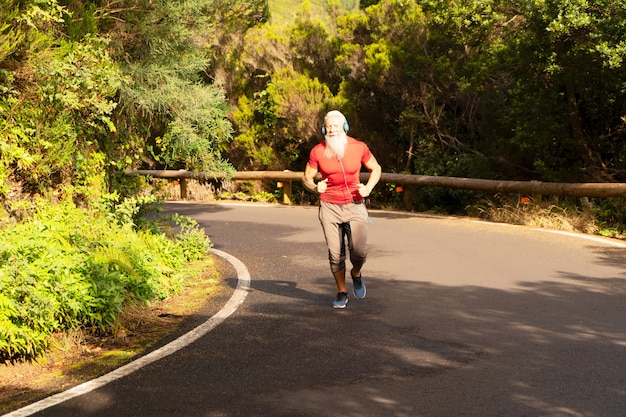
(191, 238)
(68, 268)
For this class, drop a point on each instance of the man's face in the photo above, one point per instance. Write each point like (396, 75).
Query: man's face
(334, 126)
(336, 138)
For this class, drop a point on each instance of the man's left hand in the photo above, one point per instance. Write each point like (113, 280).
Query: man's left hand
(364, 190)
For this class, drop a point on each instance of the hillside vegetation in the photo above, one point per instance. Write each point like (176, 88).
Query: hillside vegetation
(284, 12)
(88, 89)
(525, 90)
(68, 269)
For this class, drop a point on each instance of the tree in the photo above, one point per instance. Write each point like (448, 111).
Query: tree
(57, 98)
(170, 112)
(91, 88)
(366, 3)
(280, 100)
(277, 126)
(387, 74)
(578, 55)
(548, 80)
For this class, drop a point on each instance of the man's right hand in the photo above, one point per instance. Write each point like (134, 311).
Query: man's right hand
(322, 186)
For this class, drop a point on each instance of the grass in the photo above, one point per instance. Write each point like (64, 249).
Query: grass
(77, 357)
(580, 218)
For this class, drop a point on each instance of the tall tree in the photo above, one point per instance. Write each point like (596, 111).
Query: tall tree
(168, 105)
(282, 92)
(577, 49)
(56, 100)
(388, 78)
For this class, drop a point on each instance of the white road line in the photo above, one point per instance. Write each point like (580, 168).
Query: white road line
(598, 239)
(243, 287)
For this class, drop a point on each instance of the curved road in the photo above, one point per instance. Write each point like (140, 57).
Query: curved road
(461, 318)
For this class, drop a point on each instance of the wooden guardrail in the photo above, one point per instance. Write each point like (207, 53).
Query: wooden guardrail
(532, 188)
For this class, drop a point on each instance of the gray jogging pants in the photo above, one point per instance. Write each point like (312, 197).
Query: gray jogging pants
(345, 227)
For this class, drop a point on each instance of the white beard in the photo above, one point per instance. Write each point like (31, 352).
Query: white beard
(336, 145)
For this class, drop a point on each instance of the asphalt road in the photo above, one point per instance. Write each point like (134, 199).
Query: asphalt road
(461, 318)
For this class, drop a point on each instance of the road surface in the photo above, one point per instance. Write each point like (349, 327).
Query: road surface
(461, 318)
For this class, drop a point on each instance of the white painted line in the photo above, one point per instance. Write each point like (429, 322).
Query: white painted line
(243, 287)
(598, 239)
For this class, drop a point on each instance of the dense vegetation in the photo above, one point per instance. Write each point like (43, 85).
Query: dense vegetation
(88, 89)
(69, 268)
(521, 90)
(491, 89)
(487, 89)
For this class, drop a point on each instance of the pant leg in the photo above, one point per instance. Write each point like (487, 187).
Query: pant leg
(332, 226)
(359, 227)
(344, 225)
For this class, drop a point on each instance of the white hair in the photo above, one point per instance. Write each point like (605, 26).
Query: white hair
(335, 113)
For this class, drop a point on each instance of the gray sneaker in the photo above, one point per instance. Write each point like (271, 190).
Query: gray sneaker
(341, 300)
(358, 287)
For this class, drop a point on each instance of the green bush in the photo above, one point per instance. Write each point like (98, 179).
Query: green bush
(191, 238)
(68, 268)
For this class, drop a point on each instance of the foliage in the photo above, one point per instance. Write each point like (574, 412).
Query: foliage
(524, 90)
(193, 139)
(611, 216)
(67, 268)
(89, 89)
(51, 124)
(191, 237)
(289, 108)
(169, 111)
(129, 211)
(283, 11)
(562, 215)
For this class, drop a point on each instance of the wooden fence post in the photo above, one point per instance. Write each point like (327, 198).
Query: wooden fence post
(287, 192)
(408, 205)
(183, 188)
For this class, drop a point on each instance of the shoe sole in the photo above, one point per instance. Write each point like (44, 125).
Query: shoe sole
(338, 307)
